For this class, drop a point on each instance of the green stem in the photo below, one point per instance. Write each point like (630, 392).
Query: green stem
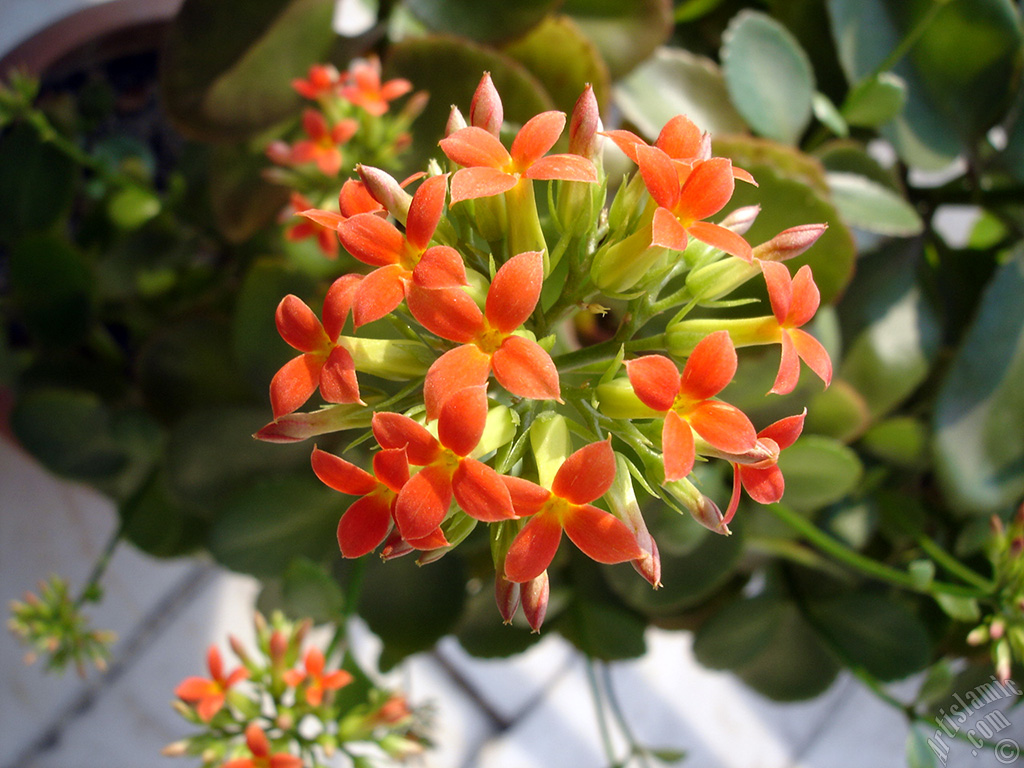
(599, 707)
(604, 351)
(88, 593)
(952, 565)
(635, 748)
(866, 565)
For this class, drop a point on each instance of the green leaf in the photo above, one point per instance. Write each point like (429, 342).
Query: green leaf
(626, 32)
(676, 82)
(901, 441)
(839, 412)
(768, 75)
(964, 609)
(828, 114)
(978, 439)
(37, 183)
(878, 634)
(242, 200)
(602, 629)
(867, 205)
(308, 590)
(875, 100)
(52, 288)
(410, 608)
(818, 471)
(268, 522)
(919, 752)
(851, 157)
(767, 642)
(937, 682)
(227, 74)
(131, 207)
(483, 22)
(160, 525)
(481, 632)
(558, 54)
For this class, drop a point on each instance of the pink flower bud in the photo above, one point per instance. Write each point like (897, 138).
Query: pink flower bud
(535, 594)
(386, 190)
(486, 111)
(742, 219)
(456, 122)
(584, 125)
(790, 242)
(278, 645)
(506, 595)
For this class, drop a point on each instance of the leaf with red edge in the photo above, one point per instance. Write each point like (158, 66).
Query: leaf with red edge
(341, 475)
(299, 326)
(371, 239)
(480, 492)
(676, 447)
(710, 367)
(338, 378)
(294, 383)
(523, 368)
(393, 430)
(667, 231)
(601, 536)
(462, 420)
(471, 183)
(515, 290)
(365, 525)
(527, 497)
(474, 147)
(655, 380)
(536, 137)
(425, 211)
(338, 303)
(379, 293)
(810, 350)
(723, 425)
(587, 474)
(449, 313)
(440, 267)
(456, 369)
(533, 549)
(723, 239)
(423, 502)
(391, 467)
(659, 174)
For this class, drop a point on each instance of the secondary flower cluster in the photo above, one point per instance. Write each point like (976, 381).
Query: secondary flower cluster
(278, 710)
(465, 295)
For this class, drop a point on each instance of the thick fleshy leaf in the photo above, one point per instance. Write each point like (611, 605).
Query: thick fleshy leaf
(780, 288)
(293, 385)
(464, 366)
(601, 536)
(810, 350)
(338, 303)
(536, 137)
(440, 267)
(660, 176)
(423, 502)
(393, 430)
(721, 238)
(625, 32)
(485, 23)
(462, 420)
(676, 447)
(365, 525)
(481, 493)
(706, 190)
(533, 548)
(514, 291)
(371, 239)
(341, 475)
(724, 426)
(53, 284)
(425, 211)
(710, 367)
(564, 167)
(471, 183)
(655, 380)
(667, 231)
(523, 368)
(819, 471)
(379, 293)
(474, 147)
(868, 205)
(299, 326)
(587, 474)
(338, 378)
(449, 313)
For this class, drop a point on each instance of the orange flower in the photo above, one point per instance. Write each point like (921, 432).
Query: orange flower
(316, 681)
(363, 87)
(208, 694)
(794, 301)
(686, 402)
(763, 479)
(323, 146)
(680, 139)
(323, 80)
(257, 742)
(489, 169)
(487, 338)
(585, 476)
(326, 237)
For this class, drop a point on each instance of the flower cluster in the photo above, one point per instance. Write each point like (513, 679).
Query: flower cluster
(468, 297)
(282, 708)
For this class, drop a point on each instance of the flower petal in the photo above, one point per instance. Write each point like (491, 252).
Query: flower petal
(393, 430)
(194, 688)
(681, 139)
(371, 239)
(338, 303)
(423, 502)
(780, 288)
(355, 198)
(789, 367)
(514, 291)
(601, 536)
(533, 548)
(536, 137)
(425, 211)
(564, 167)
(379, 293)
(587, 474)
(785, 431)
(667, 231)
(449, 313)
(464, 366)
(723, 239)
(763, 485)
(471, 183)
(364, 525)
(723, 425)
(527, 497)
(710, 367)
(391, 467)
(806, 298)
(433, 540)
(338, 378)
(343, 476)
(707, 189)
(655, 380)
(813, 353)
(463, 418)
(299, 326)
(676, 447)
(474, 147)
(659, 174)
(523, 368)
(625, 141)
(440, 267)
(294, 383)
(209, 706)
(283, 760)
(480, 492)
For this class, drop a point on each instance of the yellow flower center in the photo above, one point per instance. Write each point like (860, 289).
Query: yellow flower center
(489, 339)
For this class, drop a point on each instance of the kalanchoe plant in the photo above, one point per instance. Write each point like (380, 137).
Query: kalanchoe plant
(483, 280)
(288, 708)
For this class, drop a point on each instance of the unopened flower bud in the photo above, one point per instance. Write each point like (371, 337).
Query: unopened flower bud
(978, 636)
(584, 125)
(628, 265)
(456, 122)
(701, 508)
(996, 524)
(997, 629)
(285, 721)
(506, 596)
(624, 505)
(1003, 658)
(175, 749)
(386, 190)
(535, 595)
(414, 106)
(395, 546)
(790, 242)
(741, 219)
(239, 649)
(278, 646)
(485, 111)
(393, 711)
